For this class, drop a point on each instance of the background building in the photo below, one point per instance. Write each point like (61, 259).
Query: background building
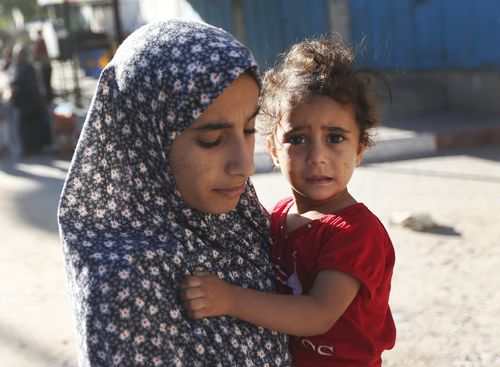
(438, 54)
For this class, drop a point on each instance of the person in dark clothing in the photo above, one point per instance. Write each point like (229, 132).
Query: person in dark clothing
(28, 103)
(41, 56)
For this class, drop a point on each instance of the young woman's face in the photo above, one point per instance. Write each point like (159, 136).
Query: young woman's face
(317, 148)
(212, 159)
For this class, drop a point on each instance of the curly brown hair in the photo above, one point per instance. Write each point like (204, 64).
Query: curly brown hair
(323, 66)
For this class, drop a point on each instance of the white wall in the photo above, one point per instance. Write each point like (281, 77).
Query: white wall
(156, 10)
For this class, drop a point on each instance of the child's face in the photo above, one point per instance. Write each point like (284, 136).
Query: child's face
(317, 148)
(212, 159)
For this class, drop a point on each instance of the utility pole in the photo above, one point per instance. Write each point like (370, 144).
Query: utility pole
(73, 48)
(118, 23)
(239, 23)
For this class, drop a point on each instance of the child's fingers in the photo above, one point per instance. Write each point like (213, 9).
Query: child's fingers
(188, 294)
(193, 305)
(195, 315)
(195, 280)
(191, 282)
(201, 273)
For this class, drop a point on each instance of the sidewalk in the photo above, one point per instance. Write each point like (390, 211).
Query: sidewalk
(397, 139)
(418, 137)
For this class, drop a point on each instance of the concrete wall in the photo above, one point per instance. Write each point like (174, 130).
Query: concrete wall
(425, 92)
(340, 18)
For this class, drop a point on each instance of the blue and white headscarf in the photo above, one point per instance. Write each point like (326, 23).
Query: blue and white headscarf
(129, 239)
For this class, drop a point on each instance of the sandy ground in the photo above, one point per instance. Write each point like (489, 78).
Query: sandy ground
(444, 299)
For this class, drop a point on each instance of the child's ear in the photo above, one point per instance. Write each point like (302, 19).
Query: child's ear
(271, 147)
(361, 153)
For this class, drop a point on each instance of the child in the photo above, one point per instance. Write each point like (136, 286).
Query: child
(330, 251)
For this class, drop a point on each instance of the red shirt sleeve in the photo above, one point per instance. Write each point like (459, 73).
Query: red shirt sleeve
(357, 247)
(280, 206)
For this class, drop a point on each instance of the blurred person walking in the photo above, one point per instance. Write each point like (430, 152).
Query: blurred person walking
(10, 146)
(28, 103)
(41, 57)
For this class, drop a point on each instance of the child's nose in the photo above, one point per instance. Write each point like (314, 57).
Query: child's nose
(317, 153)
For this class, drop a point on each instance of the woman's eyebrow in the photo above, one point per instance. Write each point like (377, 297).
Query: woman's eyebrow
(255, 113)
(213, 126)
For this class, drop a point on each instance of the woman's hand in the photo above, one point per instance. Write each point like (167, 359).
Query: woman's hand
(205, 295)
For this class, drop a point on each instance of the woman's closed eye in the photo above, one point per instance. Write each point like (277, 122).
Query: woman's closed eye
(210, 141)
(250, 131)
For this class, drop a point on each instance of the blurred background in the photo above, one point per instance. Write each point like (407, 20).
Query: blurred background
(433, 177)
(438, 53)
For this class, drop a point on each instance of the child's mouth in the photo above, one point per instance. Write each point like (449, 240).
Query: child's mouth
(318, 180)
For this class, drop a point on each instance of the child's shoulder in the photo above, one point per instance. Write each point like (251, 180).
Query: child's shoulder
(357, 224)
(356, 216)
(281, 205)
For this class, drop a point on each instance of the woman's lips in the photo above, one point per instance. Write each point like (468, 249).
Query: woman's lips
(231, 192)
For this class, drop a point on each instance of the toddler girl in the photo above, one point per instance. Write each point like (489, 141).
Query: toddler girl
(333, 257)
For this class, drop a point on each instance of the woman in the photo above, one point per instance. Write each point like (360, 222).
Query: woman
(158, 188)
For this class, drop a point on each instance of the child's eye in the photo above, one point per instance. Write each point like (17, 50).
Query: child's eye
(296, 139)
(334, 138)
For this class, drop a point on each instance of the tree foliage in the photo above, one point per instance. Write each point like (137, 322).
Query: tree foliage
(29, 8)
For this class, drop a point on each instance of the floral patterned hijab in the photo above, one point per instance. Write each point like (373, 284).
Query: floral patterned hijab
(129, 239)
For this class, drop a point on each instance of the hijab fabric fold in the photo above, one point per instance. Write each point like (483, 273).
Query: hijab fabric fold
(129, 239)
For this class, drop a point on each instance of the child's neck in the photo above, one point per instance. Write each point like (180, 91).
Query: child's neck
(307, 207)
(303, 210)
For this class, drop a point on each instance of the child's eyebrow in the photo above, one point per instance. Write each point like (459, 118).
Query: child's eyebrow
(336, 129)
(294, 129)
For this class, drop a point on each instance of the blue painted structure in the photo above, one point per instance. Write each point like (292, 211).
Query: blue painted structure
(427, 34)
(270, 27)
(396, 34)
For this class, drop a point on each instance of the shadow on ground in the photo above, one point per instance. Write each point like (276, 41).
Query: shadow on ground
(38, 207)
(31, 349)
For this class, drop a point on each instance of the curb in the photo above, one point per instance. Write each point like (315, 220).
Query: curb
(417, 145)
(427, 144)
(408, 145)
(466, 139)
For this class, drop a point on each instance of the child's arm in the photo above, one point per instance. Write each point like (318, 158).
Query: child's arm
(205, 295)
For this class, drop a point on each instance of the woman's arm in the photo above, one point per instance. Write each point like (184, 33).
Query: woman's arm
(205, 295)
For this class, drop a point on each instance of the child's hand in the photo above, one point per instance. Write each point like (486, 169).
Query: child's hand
(205, 295)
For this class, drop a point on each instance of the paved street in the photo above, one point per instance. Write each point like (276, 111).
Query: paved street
(445, 299)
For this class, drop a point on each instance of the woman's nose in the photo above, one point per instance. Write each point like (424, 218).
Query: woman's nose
(240, 158)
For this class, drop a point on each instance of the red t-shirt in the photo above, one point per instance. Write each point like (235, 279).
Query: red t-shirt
(353, 241)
